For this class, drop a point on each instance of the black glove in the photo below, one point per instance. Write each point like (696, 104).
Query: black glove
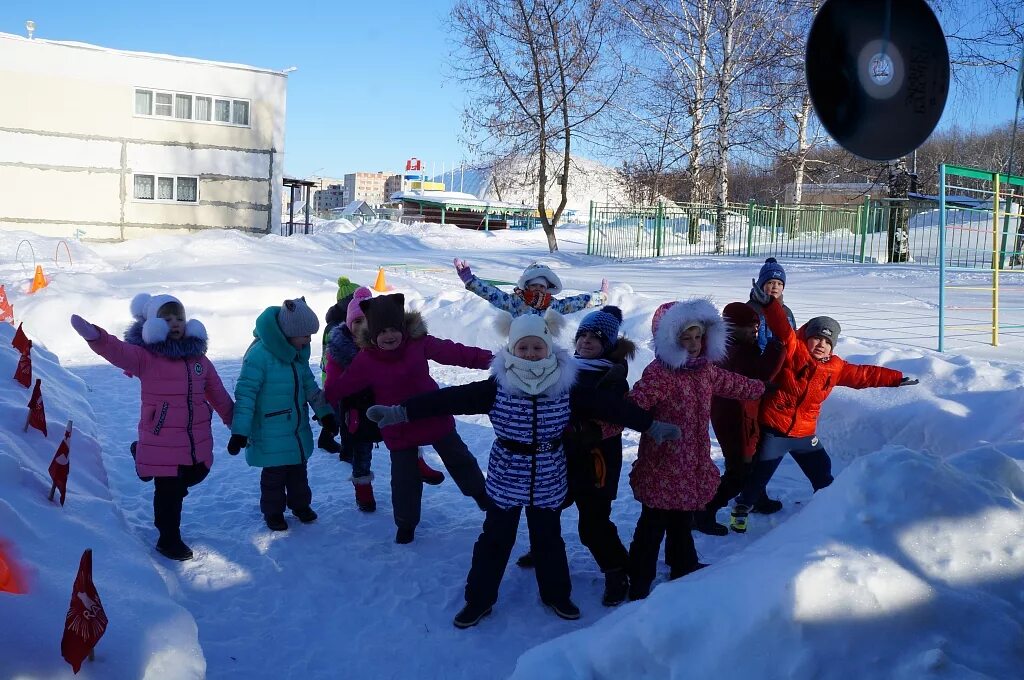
(329, 423)
(237, 443)
(909, 381)
(758, 295)
(326, 441)
(770, 388)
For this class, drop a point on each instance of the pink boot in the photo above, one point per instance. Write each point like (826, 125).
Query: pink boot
(428, 474)
(364, 497)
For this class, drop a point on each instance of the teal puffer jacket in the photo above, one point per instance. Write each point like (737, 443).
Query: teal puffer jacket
(273, 388)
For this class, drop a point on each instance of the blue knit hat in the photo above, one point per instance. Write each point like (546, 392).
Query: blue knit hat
(771, 270)
(603, 323)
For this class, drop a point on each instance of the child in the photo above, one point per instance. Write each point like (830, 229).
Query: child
(335, 317)
(533, 293)
(771, 280)
(271, 418)
(735, 422)
(672, 481)
(393, 364)
(179, 387)
(789, 416)
(528, 399)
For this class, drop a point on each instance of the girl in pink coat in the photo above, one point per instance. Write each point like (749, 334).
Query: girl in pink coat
(674, 479)
(180, 392)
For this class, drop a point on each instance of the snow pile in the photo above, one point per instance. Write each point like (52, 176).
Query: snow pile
(908, 566)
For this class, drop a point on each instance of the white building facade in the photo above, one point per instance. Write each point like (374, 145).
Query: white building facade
(108, 145)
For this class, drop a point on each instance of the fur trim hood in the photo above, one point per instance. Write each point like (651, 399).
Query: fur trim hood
(193, 344)
(566, 378)
(415, 327)
(674, 317)
(623, 352)
(538, 270)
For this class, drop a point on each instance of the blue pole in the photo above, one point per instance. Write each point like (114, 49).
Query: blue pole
(942, 254)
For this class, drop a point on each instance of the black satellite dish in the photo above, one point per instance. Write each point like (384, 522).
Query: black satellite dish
(878, 74)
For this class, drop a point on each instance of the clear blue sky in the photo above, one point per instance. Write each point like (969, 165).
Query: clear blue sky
(371, 88)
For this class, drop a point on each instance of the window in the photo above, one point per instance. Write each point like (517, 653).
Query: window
(144, 102)
(222, 111)
(204, 106)
(163, 104)
(167, 188)
(183, 106)
(240, 112)
(194, 107)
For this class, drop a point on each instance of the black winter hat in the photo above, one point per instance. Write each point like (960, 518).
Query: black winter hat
(386, 311)
(823, 327)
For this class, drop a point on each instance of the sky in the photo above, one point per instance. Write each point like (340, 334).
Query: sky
(373, 84)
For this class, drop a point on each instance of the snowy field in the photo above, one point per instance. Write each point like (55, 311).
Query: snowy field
(910, 566)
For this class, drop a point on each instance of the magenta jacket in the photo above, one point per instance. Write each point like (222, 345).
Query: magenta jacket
(180, 392)
(399, 374)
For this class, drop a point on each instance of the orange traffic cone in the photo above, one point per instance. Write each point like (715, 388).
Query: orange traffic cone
(38, 281)
(6, 309)
(380, 285)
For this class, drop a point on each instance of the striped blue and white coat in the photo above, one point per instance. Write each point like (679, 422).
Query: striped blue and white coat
(527, 465)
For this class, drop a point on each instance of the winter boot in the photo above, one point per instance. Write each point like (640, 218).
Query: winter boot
(738, 521)
(471, 615)
(673, 575)
(565, 609)
(428, 474)
(766, 506)
(705, 522)
(276, 522)
(364, 497)
(174, 549)
(616, 587)
(405, 535)
(305, 515)
(638, 591)
(526, 561)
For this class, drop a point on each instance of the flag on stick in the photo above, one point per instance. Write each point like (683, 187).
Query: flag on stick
(86, 621)
(60, 466)
(36, 411)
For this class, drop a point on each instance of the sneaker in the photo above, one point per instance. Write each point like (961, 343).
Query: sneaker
(616, 587)
(174, 550)
(276, 522)
(428, 474)
(767, 506)
(525, 561)
(738, 521)
(364, 497)
(683, 572)
(470, 615)
(565, 609)
(705, 522)
(305, 515)
(405, 535)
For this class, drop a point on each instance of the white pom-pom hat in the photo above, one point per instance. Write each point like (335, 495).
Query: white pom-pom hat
(144, 307)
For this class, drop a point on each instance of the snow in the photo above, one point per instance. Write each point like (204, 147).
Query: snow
(909, 566)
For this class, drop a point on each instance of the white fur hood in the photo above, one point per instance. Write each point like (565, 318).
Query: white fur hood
(672, 318)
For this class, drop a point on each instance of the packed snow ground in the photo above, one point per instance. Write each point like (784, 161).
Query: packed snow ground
(909, 566)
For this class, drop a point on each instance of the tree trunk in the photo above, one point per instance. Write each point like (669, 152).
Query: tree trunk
(802, 147)
(724, 91)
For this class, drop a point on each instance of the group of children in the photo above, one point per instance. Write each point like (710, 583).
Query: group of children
(557, 418)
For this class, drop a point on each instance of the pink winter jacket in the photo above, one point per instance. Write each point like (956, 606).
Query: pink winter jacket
(396, 375)
(179, 396)
(679, 474)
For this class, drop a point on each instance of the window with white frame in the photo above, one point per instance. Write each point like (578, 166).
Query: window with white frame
(166, 188)
(195, 107)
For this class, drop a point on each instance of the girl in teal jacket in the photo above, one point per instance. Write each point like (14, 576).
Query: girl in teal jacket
(271, 420)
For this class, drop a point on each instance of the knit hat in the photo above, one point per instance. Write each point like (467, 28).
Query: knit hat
(539, 271)
(771, 269)
(345, 288)
(146, 308)
(544, 327)
(386, 311)
(603, 323)
(823, 327)
(740, 314)
(296, 319)
(354, 312)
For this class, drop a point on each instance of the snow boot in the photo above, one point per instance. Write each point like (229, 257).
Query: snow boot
(405, 535)
(364, 497)
(638, 591)
(305, 515)
(616, 587)
(471, 615)
(565, 609)
(766, 506)
(174, 549)
(276, 522)
(673, 575)
(705, 522)
(526, 561)
(428, 474)
(738, 521)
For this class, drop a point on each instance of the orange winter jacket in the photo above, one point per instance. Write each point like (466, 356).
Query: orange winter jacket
(804, 382)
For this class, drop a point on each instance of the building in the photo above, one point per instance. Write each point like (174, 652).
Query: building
(835, 193)
(392, 185)
(331, 197)
(369, 186)
(109, 144)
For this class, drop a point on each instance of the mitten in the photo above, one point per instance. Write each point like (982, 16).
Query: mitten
(326, 442)
(909, 381)
(758, 295)
(84, 328)
(237, 443)
(463, 270)
(604, 287)
(662, 432)
(386, 416)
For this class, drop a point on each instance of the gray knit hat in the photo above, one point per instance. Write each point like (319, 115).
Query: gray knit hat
(296, 319)
(823, 327)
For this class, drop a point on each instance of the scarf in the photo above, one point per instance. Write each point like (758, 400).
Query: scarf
(534, 298)
(593, 364)
(532, 377)
(694, 363)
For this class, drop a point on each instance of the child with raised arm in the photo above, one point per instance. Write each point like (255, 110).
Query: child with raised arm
(534, 292)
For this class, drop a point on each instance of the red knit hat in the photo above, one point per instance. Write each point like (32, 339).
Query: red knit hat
(740, 314)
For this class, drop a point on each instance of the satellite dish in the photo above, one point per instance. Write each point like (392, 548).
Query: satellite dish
(877, 74)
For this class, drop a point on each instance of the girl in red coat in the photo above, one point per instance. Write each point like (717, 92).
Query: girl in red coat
(789, 416)
(675, 479)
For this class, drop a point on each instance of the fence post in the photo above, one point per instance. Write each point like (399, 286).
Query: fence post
(995, 260)
(863, 213)
(942, 253)
(659, 227)
(775, 224)
(590, 230)
(821, 216)
(750, 227)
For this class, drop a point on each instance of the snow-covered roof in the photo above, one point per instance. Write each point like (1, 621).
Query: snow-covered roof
(455, 198)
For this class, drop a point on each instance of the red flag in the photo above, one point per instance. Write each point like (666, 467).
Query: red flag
(36, 412)
(60, 466)
(86, 621)
(6, 310)
(23, 373)
(20, 341)
(12, 575)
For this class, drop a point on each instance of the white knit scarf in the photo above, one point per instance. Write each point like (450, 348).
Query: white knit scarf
(532, 377)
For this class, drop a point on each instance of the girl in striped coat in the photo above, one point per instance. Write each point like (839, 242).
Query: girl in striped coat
(529, 400)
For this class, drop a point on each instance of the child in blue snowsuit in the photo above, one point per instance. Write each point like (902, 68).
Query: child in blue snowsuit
(534, 292)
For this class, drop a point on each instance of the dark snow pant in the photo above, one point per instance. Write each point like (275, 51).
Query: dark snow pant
(652, 526)
(407, 485)
(808, 453)
(599, 534)
(168, 494)
(362, 454)
(730, 485)
(494, 546)
(284, 486)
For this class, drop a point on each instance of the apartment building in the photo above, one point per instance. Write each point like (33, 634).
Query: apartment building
(371, 187)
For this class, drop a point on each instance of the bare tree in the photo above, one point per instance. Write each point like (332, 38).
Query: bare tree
(542, 72)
